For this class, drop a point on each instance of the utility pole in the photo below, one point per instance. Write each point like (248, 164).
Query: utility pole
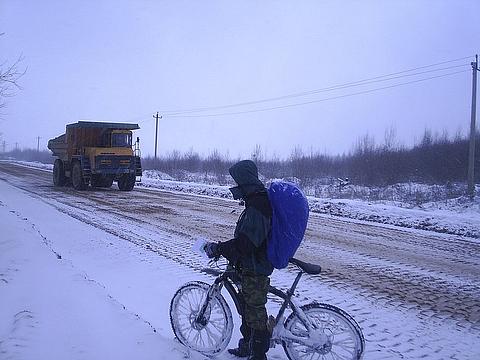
(16, 146)
(156, 117)
(38, 144)
(471, 153)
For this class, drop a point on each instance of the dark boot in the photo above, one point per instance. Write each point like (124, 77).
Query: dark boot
(259, 344)
(243, 349)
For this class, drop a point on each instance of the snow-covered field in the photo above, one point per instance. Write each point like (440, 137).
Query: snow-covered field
(89, 275)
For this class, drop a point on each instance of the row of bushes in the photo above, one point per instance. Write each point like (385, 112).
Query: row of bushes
(432, 160)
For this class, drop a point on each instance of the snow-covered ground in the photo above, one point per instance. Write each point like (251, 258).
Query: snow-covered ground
(87, 275)
(455, 216)
(64, 287)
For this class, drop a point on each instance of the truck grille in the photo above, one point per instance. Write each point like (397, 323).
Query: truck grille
(110, 164)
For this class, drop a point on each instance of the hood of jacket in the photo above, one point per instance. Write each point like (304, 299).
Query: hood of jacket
(245, 174)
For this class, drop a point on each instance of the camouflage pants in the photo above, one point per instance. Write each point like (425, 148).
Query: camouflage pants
(254, 292)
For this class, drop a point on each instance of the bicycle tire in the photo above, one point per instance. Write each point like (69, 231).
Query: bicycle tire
(332, 320)
(211, 338)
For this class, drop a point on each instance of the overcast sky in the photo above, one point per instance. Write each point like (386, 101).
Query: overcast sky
(124, 60)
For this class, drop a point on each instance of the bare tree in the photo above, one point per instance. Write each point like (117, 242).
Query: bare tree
(9, 76)
(257, 153)
(215, 163)
(390, 139)
(364, 145)
(297, 162)
(192, 160)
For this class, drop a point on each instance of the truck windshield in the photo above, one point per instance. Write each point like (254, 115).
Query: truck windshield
(121, 140)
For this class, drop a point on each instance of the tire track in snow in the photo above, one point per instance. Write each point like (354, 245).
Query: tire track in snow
(376, 267)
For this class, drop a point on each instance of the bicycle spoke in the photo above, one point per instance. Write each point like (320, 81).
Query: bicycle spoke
(217, 327)
(185, 328)
(189, 332)
(187, 310)
(345, 343)
(196, 336)
(211, 335)
(190, 303)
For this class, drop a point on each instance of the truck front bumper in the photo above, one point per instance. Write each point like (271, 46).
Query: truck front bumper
(114, 165)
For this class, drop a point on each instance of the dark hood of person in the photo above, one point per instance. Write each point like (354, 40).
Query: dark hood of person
(245, 174)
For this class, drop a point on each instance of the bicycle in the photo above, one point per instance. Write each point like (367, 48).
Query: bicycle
(202, 320)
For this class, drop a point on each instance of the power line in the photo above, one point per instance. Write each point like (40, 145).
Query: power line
(337, 87)
(321, 100)
(138, 118)
(375, 79)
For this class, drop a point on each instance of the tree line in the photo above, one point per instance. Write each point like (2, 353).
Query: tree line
(434, 159)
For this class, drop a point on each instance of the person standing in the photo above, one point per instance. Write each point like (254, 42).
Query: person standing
(248, 252)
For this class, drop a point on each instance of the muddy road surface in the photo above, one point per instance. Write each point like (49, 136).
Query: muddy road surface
(416, 294)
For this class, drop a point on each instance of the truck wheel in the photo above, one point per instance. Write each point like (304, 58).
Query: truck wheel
(77, 177)
(59, 178)
(126, 182)
(95, 181)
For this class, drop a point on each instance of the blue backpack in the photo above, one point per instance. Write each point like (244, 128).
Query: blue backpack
(289, 222)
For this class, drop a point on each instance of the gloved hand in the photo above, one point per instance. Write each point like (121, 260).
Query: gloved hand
(212, 250)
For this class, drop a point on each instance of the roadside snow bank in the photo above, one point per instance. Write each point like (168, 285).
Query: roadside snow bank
(455, 222)
(53, 309)
(33, 164)
(158, 180)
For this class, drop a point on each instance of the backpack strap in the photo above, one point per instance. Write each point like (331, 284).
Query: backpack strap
(259, 200)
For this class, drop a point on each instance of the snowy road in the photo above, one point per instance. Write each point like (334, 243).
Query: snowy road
(416, 294)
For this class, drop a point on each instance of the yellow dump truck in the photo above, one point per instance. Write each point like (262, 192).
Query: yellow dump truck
(96, 154)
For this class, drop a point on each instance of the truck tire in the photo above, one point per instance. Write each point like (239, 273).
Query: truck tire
(77, 176)
(95, 181)
(126, 182)
(59, 178)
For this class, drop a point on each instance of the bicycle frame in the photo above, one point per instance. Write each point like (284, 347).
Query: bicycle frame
(230, 278)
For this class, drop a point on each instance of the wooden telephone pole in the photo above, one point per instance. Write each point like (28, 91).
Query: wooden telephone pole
(156, 117)
(471, 153)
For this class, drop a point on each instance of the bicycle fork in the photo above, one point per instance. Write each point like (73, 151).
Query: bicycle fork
(214, 289)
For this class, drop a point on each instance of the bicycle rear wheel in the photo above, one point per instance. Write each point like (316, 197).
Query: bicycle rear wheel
(210, 336)
(345, 338)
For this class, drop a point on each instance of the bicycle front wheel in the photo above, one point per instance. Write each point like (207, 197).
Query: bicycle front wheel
(212, 334)
(345, 338)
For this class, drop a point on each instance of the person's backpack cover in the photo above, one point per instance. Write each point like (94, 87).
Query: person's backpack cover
(289, 222)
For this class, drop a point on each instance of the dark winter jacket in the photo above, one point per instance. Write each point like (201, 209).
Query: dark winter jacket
(248, 247)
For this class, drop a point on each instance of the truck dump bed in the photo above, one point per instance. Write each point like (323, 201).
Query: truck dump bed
(58, 146)
(83, 134)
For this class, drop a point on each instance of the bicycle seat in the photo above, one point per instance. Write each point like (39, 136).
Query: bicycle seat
(311, 269)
